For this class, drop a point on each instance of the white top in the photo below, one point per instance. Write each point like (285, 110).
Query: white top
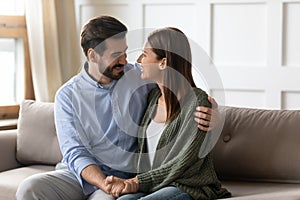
(153, 134)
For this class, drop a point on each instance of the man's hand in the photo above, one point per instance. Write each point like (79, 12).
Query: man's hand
(93, 175)
(117, 185)
(207, 118)
(120, 186)
(106, 188)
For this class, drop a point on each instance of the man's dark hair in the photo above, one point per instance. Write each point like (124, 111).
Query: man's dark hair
(97, 30)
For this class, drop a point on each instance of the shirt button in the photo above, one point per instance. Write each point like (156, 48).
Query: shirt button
(227, 138)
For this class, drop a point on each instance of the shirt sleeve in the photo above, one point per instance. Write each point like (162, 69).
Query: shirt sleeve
(75, 155)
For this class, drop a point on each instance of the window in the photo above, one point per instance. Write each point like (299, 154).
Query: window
(15, 76)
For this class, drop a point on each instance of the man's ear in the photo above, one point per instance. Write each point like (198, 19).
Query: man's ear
(163, 64)
(91, 55)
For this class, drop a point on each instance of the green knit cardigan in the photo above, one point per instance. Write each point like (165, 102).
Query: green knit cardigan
(176, 161)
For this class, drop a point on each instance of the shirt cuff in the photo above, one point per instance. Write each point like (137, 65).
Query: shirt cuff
(79, 165)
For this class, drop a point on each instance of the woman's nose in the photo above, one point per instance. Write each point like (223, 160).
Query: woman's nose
(139, 60)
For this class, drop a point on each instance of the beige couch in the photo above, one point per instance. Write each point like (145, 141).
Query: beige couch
(31, 149)
(256, 155)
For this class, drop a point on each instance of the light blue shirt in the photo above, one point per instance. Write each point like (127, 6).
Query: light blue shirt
(97, 124)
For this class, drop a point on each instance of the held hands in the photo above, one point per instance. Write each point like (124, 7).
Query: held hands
(207, 118)
(115, 184)
(120, 186)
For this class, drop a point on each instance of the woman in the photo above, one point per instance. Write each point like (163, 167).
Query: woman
(169, 142)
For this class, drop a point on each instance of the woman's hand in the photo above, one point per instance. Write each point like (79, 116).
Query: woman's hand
(131, 186)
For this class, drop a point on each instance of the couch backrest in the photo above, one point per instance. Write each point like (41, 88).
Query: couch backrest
(255, 144)
(259, 145)
(36, 138)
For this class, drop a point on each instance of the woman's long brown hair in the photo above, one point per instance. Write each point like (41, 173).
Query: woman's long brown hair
(172, 44)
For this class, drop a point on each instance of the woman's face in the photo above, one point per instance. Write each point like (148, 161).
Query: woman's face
(151, 65)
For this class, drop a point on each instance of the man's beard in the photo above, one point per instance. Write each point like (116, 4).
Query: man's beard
(108, 72)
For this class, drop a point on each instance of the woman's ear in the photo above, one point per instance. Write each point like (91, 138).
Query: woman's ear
(163, 64)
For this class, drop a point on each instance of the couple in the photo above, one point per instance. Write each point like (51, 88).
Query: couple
(100, 112)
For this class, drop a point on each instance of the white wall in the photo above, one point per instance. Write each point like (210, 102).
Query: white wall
(254, 44)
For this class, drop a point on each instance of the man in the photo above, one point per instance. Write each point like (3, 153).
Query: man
(97, 114)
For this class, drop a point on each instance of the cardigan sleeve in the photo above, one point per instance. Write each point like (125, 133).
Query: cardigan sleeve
(183, 153)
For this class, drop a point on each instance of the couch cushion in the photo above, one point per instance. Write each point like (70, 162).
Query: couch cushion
(10, 180)
(262, 191)
(36, 138)
(8, 140)
(258, 144)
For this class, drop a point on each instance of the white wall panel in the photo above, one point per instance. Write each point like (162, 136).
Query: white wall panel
(290, 100)
(128, 12)
(291, 34)
(239, 34)
(118, 10)
(181, 16)
(255, 44)
(238, 98)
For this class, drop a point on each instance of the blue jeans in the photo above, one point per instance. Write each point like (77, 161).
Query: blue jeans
(165, 193)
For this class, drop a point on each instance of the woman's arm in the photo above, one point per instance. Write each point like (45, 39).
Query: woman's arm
(182, 155)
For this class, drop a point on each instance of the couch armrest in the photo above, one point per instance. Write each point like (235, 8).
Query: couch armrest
(8, 141)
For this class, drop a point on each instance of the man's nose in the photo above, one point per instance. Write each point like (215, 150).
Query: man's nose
(122, 59)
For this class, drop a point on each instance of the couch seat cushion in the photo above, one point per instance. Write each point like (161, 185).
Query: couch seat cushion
(9, 180)
(262, 191)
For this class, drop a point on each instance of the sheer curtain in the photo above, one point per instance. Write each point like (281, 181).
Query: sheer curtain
(53, 44)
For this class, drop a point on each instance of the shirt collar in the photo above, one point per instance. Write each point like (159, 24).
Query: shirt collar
(91, 81)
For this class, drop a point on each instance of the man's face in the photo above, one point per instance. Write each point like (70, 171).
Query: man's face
(114, 58)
